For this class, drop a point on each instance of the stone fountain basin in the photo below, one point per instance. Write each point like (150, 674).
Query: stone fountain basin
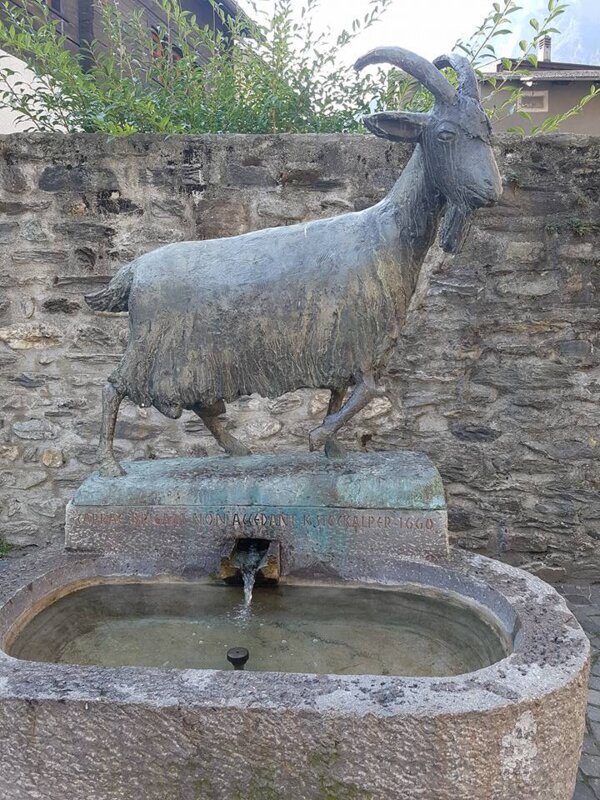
(510, 731)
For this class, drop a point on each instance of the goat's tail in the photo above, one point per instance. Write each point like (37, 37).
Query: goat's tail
(115, 297)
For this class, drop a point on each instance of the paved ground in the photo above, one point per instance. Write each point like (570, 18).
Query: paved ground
(585, 604)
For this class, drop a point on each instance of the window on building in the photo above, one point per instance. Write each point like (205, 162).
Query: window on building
(157, 43)
(160, 45)
(533, 102)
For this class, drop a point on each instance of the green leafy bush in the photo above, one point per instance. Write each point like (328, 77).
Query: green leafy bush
(272, 73)
(264, 76)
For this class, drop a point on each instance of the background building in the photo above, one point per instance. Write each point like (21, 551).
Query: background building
(553, 87)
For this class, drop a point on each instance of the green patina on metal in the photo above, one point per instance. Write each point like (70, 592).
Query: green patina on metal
(285, 483)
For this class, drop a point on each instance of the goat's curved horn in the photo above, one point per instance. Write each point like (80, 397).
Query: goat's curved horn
(414, 65)
(467, 78)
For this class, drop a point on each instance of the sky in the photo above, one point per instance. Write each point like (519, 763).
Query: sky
(579, 39)
(431, 27)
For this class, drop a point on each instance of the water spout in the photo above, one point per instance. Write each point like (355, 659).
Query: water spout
(252, 559)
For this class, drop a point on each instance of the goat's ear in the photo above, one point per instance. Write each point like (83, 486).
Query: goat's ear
(399, 126)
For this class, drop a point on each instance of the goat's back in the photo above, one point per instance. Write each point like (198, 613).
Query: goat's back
(268, 312)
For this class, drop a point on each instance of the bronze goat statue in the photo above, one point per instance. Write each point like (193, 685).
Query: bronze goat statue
(316, 305)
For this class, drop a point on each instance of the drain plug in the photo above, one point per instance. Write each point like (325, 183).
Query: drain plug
(238, 657)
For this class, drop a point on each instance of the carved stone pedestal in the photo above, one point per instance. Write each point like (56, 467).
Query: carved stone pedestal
(347, 516)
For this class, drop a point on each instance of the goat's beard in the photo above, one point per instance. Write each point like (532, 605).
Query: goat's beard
(455, 227)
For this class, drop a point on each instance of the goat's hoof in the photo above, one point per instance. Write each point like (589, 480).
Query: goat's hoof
(333, 449)
(111, 469)
(235, 448)
(239, 451)
(317, 438)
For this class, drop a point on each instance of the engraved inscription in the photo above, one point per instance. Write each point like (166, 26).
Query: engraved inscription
(232, 519)
(241, 519)
(381, 521)
(261, 520)
(333, 535)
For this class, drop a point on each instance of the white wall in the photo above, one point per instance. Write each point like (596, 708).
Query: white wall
(8, 123)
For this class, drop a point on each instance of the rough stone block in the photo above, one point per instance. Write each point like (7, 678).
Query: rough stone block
(27, 336)
(240, 175)
(76, 179)
(9, 452)
(35, 429)
(8, 232)
(53, 457)
(54, 305)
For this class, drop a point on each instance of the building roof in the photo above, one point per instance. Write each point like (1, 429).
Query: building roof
(234, 10)
(231, 7)
(547, 71)
(543, 66)
(539, 76)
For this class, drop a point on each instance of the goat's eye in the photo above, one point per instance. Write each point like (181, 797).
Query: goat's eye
(446, 135)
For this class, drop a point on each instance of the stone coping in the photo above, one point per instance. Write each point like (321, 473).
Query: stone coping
(550, 653)
(399, 480)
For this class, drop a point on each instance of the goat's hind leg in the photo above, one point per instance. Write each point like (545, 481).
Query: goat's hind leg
(333, 449)
(362, 394)
(111, 400)
(210, 417)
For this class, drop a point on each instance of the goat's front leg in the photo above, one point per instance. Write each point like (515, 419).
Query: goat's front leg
(210, 417)
(111, 400)
(362, 394)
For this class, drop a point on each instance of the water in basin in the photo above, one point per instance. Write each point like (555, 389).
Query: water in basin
(290, 628)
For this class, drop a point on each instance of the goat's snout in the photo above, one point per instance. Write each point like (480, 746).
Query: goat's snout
(486, 194)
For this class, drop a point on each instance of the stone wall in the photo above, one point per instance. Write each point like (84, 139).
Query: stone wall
(496, 377)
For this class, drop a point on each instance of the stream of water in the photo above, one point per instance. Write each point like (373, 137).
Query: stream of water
(249, 578)
(250, 562)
